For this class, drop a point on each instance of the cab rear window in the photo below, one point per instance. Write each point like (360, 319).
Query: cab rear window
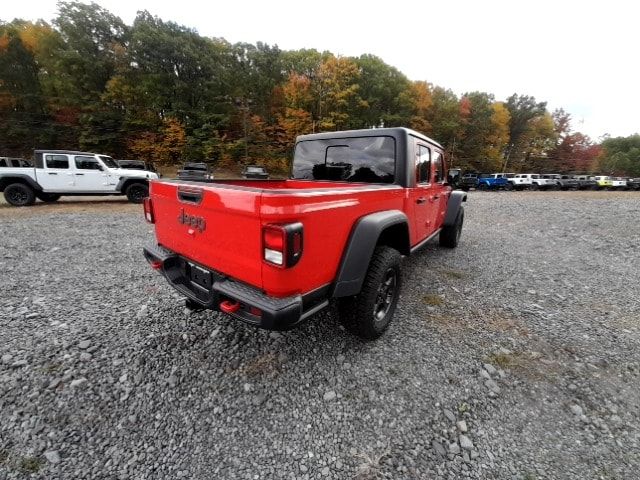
(358, 159)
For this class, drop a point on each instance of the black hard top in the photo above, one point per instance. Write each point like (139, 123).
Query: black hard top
(369, 132)
(66, 152)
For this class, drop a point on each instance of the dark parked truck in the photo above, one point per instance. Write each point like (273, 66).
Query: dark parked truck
(274, 252)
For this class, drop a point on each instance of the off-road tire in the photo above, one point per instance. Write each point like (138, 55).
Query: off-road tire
(482, 186)
(137, 192)
(19, 195)
(369, 313)
(48, 197)
(450, 235)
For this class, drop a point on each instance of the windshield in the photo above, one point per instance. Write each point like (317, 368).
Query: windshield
(108, 161)
(535, 176)
(360, 159)
(509, 175)
(255, 169)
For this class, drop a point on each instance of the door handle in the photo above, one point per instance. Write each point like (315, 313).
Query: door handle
(79, 173)
(51, 173)
(421, 200)
(436, 197)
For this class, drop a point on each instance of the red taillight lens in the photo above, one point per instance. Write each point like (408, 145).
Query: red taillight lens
(274, 238)
(148, 210)
(282, 244)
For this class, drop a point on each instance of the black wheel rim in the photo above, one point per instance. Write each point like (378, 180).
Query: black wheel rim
(138, 194)
(18, 197)
(385, 296)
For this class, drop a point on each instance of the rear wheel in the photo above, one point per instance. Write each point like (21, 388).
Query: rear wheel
(48, 197)
(137, 192)
(508, 186)
(535, 186)
(483, 186)
(19, 195)
(450, 235)
(369, 313)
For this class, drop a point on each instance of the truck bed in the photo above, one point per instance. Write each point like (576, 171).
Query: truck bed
(234, 212)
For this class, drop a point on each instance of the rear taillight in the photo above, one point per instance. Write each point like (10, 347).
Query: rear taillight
(148, 210)
(282, 244)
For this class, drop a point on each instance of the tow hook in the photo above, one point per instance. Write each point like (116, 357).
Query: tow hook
(229, 306)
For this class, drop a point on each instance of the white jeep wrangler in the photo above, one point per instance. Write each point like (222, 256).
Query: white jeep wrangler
(64, 172)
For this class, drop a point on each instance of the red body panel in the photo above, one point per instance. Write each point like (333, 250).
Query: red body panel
(236, 211)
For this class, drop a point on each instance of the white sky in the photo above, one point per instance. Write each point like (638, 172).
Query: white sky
(579, 55)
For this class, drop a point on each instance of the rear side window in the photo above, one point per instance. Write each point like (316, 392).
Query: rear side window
(438, 168)
(423, 164)
(57, 161)
(360, 159)
(87, 163)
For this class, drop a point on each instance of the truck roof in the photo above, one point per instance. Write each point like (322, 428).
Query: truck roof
(68, 152)
(368, 132)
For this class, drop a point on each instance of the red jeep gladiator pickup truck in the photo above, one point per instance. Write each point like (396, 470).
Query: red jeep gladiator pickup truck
(274, 252)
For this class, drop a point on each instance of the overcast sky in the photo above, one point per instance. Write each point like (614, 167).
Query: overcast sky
(582, 56)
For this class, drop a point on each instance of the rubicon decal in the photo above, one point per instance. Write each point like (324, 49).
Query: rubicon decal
(193, 221)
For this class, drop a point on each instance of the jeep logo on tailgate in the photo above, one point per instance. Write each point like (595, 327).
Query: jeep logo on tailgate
(194, 221)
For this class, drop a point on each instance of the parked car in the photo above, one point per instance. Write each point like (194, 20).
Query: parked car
(633, 183)
(469, 181)
(518, 181)
(538, 183)
(603, 182)
(195, 172)
(264, 255)
(64, 172)
(586, 182)
(563, 182)
(136, 165)
(454, 176)
(14, 162)
(255, 171)
(492, 181)
(619, 183)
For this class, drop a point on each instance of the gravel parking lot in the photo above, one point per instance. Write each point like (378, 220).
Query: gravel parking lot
(515, 356)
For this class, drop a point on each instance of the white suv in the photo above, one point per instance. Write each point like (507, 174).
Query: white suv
(539, 183)
(518, 181)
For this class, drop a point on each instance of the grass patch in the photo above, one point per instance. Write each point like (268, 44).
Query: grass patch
(262, 365)
(52, 368)
(370, 465)
(457, 274)
(502, 360)
(433, 299)
(30, 464)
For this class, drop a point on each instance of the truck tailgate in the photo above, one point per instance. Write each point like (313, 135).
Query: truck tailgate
(212, 225)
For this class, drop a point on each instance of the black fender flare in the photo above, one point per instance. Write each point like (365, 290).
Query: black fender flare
(125, 181)
(453, 207)
(18, 178)
(360, 246)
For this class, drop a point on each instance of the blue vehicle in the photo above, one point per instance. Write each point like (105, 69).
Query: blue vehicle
(493, 181)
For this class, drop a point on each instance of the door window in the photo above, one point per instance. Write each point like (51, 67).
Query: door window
(87, 163)
(57, 161)
(423, 164)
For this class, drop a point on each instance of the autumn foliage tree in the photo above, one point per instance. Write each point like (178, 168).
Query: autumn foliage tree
(160, 91)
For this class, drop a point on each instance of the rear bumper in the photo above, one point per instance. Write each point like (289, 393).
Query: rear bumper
(213, 288)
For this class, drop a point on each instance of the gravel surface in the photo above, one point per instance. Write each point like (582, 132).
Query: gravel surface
(515, 356)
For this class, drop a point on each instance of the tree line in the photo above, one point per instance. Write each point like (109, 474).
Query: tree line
(159, 91)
